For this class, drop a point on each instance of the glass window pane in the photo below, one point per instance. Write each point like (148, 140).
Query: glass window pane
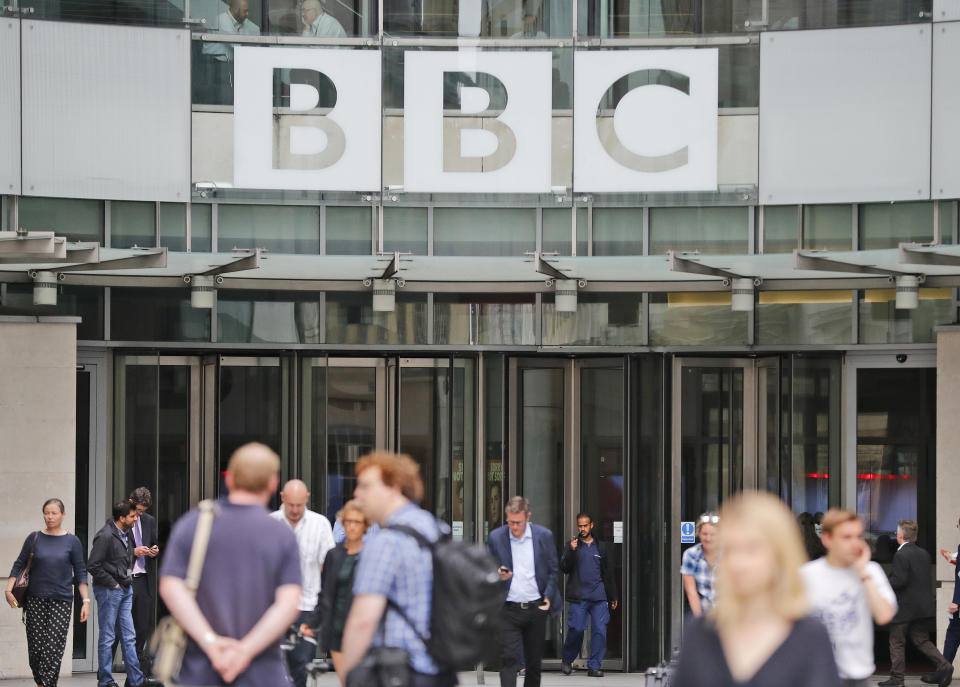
(352, 320)
(799, 14)
(201, 223)
(611, 319)
(827, 227)
(405, 230)
(502, 19)
(710, 230)
(173, 226)
(887, 225)
(85, 302)
(349, 230)
(557, 224)
(781, 228)
(501, 319)
(78, 220)
(484, 231)
(618, 231)
(804, 317)
(882, 322)
(268, 316)
(133, 224)
(138, 314)
(149, 12)
(278, 228)
(694, 318)
(947, 220)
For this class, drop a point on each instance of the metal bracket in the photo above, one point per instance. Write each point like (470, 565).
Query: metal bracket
(247, 262)
(680, 263)
(155, 259)
(909, 255)
(805, 261)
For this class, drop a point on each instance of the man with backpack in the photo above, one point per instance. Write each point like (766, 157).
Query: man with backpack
(393, 587)
(527, 557)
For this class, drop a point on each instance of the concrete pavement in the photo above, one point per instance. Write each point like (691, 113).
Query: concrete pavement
(551, 679)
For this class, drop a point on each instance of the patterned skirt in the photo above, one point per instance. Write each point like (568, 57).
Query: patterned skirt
(48, 621)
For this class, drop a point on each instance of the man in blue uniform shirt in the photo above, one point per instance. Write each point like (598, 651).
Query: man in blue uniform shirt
(592, 594)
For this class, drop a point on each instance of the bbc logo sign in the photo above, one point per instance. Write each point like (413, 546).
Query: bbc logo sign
(479, 122)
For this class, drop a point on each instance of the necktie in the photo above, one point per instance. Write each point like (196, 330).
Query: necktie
(137, 538)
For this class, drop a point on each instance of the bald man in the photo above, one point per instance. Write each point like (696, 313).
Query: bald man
(250, 585)
(235, 20)
(316, 22)
(314, 539)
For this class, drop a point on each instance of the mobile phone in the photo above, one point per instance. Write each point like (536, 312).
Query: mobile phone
(504, 569)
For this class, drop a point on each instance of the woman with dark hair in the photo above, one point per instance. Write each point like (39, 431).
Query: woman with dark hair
(811, 540)
(57, 566)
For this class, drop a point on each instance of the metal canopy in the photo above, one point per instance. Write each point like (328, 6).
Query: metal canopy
(685, 271)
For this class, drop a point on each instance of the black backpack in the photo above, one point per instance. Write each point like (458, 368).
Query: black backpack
(467, 599)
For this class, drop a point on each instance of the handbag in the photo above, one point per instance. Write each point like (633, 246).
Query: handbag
(383, 666)
(22, 583)
(169, 641)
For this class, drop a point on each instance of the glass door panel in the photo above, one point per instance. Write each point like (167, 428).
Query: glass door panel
(602, 443)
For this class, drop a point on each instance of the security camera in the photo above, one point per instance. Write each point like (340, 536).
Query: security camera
(901, 358)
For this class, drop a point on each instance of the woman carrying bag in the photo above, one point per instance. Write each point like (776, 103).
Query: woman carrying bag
(55, 560)
(336, 584)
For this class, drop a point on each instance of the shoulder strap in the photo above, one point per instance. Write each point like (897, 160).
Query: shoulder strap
(409, 531)
(201, 537)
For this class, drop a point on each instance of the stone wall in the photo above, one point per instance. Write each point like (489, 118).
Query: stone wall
(38, 358)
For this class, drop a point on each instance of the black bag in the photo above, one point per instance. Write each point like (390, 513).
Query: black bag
(383, 666)
(22, 584)
(467, 599)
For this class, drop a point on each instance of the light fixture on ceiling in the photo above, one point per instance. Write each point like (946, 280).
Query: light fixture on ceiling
(908, 292)
(566, 295)
(741, 294)
(45, 287)
(202, 290)
(384, 295)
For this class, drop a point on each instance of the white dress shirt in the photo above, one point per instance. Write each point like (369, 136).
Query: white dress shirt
(227, 24)
(325, 26)
(314, 539)
(523, 584)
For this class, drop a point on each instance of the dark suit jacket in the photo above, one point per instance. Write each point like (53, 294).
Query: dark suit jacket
(110, 558)
(569, 565)
(322, 618)
(544, 560)
(912, 580)
(956, 580)
(148, 534)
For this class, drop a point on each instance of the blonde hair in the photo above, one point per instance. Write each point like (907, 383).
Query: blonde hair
(355, 507)
(778, 528)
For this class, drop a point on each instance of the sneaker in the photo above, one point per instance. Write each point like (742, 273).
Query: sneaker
(891, 683)
(594, 673)
(566, 668)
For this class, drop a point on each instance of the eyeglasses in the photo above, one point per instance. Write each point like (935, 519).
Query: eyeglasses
(711, 519)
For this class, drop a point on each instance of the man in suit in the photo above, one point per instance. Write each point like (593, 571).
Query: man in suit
(591, 593)
(952, 639)
(143, 540)
(527, 559)
(912, 580)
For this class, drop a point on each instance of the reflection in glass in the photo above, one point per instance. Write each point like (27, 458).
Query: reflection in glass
(85, 302)
(81, 495)
(201, 223)
(501, 319)
(133, 224)
(350, 319)
(495, 18)
(145, 314)
(618, 231)
(557, 224)
(269, 316)
(827, 227)
(484, 231)
(610, 319)
(882, 322)
(145, 12)
(540, 464)
(405, 230)
(78, 220)
(494, 481)
(695, 318)
(278, 228)
(351, 430)
(251, 406)
(804, 317)
(173, 226)
(781, 228)
(896, 450)
(349, 230)
(424, 431)
(710, 230)
(601, 471)
(711, 431)
(887, 225)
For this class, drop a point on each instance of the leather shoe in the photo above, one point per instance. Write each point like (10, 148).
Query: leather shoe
(594, 673)
(891, 683)
(929, 678)
(566, 668)
(944, 676)
(109, 684)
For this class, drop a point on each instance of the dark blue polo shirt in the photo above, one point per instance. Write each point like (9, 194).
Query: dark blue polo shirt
(591, 576)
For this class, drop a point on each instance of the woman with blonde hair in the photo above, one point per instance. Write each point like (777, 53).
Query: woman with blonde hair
(336, 584)
(758, 633)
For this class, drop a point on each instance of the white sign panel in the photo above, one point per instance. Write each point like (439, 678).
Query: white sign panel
(311, 149)
(645, 120)
(474, 149)
(618, 532)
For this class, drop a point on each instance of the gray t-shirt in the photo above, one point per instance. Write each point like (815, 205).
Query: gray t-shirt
(249, 556)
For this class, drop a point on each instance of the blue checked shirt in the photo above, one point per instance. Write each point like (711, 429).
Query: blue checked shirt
(393, 565)
(695, 564)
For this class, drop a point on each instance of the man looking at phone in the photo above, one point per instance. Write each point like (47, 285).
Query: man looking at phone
(592, 594)
(527, 558)
(143, 538)
(849, 592)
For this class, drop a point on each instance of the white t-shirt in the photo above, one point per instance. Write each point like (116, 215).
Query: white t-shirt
(838, 599)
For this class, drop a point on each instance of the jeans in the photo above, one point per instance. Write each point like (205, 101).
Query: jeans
(114, 610)
(299, 657)
(598, 614)
(521, 634)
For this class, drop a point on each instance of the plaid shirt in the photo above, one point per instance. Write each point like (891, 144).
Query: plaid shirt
(393, 565)
(695, 564)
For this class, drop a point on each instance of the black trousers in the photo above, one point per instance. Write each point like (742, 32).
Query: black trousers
(952, 640)
(142, 620)
(522, 629)
(440, 680)
(898, 644)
